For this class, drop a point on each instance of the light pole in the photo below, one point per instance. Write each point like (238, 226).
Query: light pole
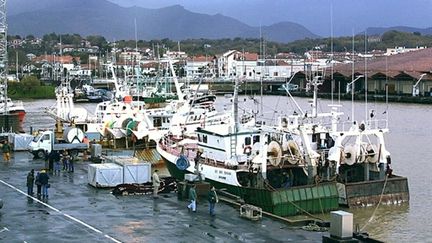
(351, 84)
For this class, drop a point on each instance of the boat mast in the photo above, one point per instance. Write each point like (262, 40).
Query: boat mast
(331, 50)
(366, 79)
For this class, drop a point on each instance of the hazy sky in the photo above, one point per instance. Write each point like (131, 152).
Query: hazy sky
(348, 15)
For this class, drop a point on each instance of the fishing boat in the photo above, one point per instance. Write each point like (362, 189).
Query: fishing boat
(244, 159)
(12, 114)
(64, 109)
(184, 114)
(294, 166)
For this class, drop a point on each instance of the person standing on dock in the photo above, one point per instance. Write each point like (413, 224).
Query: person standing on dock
(65, 159)
(57, 163)
(38, 184)
(86, 152)
(30, 182)
(6, 149)
(156, 183)
(192, 198)
(43, 178)
(213, 199)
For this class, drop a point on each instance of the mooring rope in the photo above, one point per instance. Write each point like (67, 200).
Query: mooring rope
(376, 208)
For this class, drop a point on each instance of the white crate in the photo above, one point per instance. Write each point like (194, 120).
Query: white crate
(341, 224)
(105, 175)
(136, 172)
(134, 169)
(96, 150)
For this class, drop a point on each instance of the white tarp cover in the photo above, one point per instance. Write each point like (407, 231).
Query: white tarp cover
(21, 141)
(105, 175)
(134, 169)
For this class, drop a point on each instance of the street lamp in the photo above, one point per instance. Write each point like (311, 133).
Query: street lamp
(351, 85)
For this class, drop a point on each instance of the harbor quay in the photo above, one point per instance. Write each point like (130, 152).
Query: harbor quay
(77, 212)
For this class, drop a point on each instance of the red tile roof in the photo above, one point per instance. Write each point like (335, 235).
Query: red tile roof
(412, 63)
(61, 59)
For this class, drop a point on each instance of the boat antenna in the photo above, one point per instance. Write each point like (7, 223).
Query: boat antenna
(331, 50)
(235, 107)
(286, 87)
(386, 89)
(352, 77)
(366, 78)
(136, 36)
(262, 64)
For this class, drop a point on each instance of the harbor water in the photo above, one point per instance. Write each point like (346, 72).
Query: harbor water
(408, 140)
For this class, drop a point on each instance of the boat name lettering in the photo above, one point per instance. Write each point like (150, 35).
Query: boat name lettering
(222, 172)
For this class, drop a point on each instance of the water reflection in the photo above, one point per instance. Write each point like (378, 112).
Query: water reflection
(386, 221)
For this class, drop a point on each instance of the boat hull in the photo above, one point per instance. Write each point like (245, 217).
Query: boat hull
(12, 122)
(369, 193)
(281, 202)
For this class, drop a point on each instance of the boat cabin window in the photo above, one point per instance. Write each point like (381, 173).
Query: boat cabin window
(205, 138)
(199, 138)
(256, 139)
(248, 141)
(157, 122)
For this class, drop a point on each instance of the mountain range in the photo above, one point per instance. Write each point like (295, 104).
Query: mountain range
(100, 17)
(114, 22)
(382, 30)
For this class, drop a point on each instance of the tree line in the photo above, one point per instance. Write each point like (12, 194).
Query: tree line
(49, 44)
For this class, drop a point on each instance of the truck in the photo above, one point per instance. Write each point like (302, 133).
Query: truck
(45, 142)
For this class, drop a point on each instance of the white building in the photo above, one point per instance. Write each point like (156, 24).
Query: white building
(195, 66)
(235, 64)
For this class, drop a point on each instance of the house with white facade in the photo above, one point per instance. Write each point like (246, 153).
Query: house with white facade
(196, 65)
(226, 65)
(235, 64)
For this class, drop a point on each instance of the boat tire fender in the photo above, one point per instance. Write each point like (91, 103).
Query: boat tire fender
(182, 162)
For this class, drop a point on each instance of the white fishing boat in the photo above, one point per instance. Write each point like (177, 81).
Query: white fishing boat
(64, 110)
(303, 153)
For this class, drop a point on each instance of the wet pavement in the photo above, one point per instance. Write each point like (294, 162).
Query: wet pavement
(78, 212)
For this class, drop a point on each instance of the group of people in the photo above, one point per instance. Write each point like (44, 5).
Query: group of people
(212, 196)
(42, 183)
(56, 160)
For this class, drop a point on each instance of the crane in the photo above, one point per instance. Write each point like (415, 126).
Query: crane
(3, 55)
(415, 90)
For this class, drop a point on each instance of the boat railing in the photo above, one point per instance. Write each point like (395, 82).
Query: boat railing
(370, 124)
(18, 103)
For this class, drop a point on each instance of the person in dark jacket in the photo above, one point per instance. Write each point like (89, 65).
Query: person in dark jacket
(213, 199)
(30, 182)
(57, 166)
(38, 184)
(43, 178)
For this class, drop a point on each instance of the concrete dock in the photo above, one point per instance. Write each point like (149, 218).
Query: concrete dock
(78, 212)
